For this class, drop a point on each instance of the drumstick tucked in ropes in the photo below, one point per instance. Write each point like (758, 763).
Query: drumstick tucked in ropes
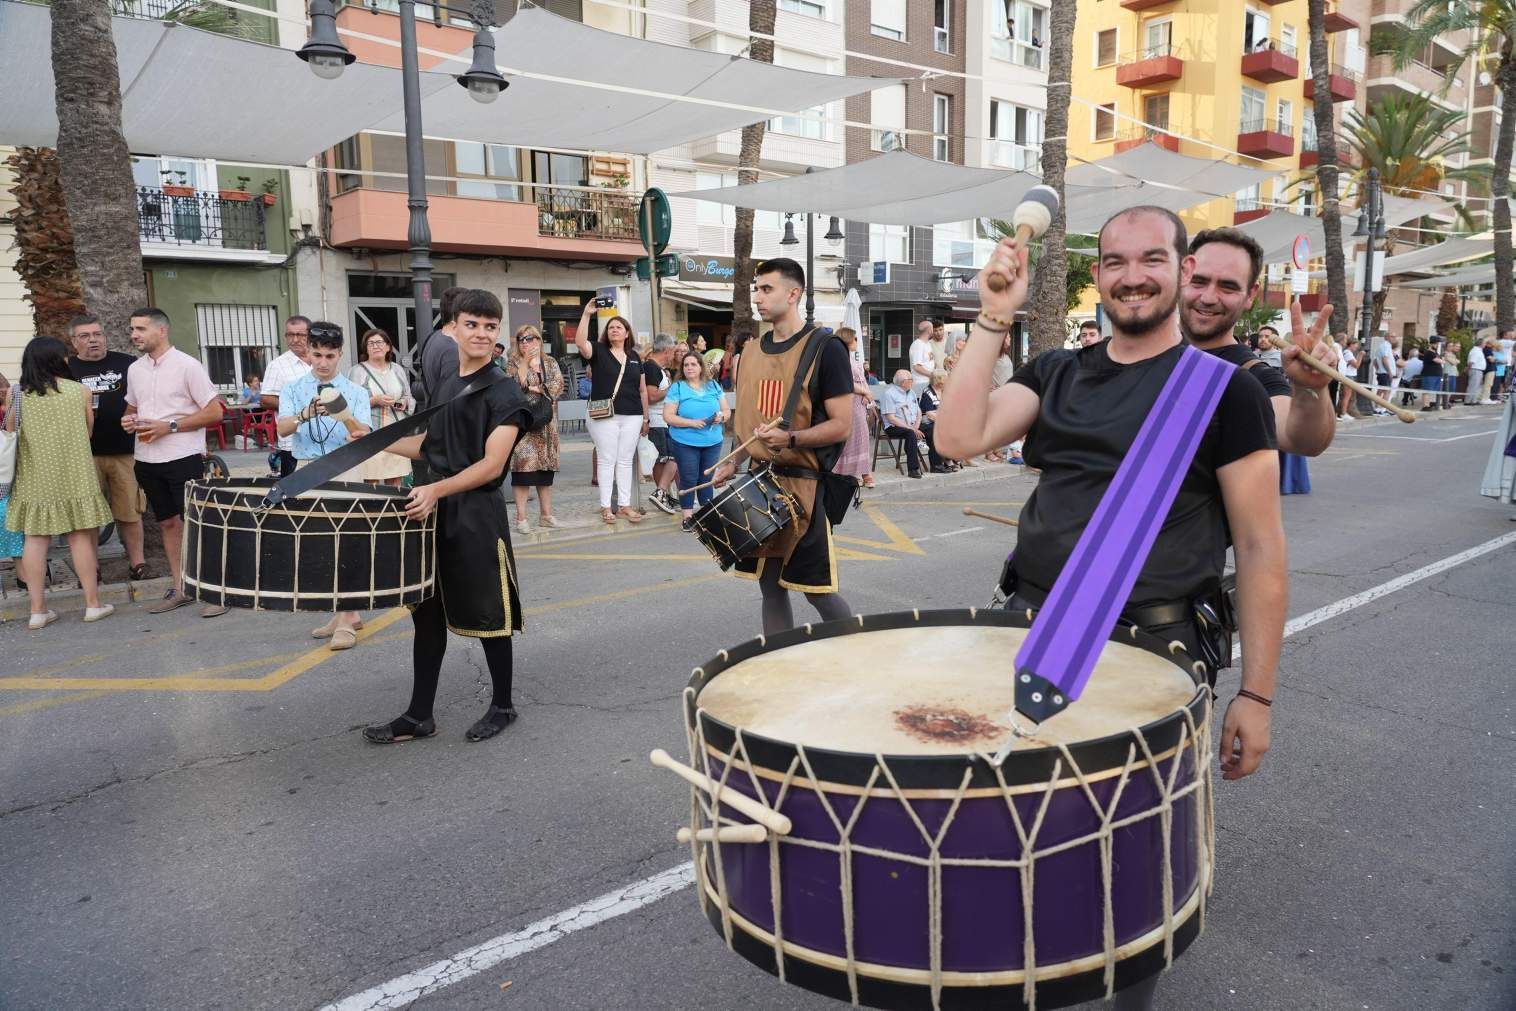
(969, 511)
(322, 410)
(468, 447)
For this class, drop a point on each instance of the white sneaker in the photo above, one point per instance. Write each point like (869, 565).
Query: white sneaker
(41, 621)
(522, 526)
(97, 613)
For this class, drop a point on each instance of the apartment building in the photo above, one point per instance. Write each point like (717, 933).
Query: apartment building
(809, 36)
(980, 103)
(15, 311)
(1468, 91)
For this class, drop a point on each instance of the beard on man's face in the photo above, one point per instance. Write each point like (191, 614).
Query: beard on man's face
(1205, 326)
(1139, 322)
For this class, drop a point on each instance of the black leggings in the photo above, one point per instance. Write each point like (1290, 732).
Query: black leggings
(777, 613)
(431, 646)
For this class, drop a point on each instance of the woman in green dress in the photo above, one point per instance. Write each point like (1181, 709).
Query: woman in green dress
(55, 490)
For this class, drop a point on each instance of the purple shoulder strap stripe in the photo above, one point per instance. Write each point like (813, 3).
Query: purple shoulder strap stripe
(1059, 654)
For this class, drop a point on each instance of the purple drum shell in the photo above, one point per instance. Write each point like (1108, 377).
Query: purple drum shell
(982, 912)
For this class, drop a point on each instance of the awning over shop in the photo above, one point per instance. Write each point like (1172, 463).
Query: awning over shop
(712, 300)
(202, 95)
(900, 188)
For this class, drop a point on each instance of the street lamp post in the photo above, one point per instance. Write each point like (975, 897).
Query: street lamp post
(328, 57)
(1370, 228)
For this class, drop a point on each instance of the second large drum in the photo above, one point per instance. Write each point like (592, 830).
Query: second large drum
(340, 547)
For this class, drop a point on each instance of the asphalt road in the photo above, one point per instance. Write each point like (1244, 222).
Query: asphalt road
(189, 818)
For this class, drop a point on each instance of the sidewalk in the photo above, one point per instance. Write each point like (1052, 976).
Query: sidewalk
(576, 503)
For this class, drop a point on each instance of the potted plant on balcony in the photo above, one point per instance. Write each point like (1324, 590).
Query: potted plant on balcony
(240, 194)
(179, 189)
(269, 186)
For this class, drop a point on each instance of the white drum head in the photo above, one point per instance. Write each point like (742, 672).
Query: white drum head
(930, 690)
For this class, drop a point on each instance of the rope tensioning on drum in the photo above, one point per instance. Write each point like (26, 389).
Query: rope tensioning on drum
(1193, 738)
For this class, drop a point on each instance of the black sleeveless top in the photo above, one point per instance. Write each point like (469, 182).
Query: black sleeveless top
(1091, 411)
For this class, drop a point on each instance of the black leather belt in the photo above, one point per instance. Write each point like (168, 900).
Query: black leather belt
(803, 473)
(1149, 616)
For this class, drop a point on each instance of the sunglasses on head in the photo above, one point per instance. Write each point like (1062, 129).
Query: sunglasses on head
(325, 330)
(530, 337)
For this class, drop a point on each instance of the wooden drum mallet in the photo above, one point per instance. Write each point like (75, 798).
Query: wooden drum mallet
(1402, 413)
(1032, 218)
(970, 511)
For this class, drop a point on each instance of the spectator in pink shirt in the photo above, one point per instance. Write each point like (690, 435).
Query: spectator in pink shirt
(169, 402)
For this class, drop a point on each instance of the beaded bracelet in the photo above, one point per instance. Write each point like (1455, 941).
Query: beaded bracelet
(1005, 326)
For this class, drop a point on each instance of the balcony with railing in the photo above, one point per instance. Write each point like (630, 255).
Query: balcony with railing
(1265, 138)
(1249, 208)
(1010, 155)
(1136, 137)
(558, 222)
(1335, 21)
(1341, 82)
(1142, 5)
(1152, 65)
(185, 223)
(1310, 153)
(1271, 61)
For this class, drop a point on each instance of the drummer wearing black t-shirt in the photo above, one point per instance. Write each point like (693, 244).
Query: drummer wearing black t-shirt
(1220, 286)
(1079, 412)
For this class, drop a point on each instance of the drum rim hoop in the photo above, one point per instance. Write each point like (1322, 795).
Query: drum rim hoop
(852, 768)
(233, 490)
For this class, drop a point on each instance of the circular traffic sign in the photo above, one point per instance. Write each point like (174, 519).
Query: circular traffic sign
(1300, 252)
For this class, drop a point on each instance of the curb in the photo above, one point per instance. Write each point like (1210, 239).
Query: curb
(69, 601)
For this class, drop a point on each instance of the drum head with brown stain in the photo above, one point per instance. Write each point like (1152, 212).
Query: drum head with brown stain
(930, 690)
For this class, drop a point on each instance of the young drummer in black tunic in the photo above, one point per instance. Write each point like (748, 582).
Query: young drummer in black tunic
(468, 448)
(802, 556)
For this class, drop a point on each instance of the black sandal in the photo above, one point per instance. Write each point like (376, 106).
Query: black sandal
(495, 719)
(137, 572)
(400, 729)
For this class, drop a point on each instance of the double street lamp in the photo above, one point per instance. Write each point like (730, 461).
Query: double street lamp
(833, 234)
(328, 57)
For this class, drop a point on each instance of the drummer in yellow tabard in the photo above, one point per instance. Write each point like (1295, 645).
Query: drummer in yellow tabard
(800, 557)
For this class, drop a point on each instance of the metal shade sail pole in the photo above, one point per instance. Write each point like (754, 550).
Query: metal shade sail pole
(419, 232)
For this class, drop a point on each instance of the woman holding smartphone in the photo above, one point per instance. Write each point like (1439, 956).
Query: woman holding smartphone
(696, 414)
(535, 458)
(617, 408)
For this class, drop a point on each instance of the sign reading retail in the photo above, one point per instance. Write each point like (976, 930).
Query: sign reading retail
(1300, 252)
(720, 269)
(874, 272)
(655, 221)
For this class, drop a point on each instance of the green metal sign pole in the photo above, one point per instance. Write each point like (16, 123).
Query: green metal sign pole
(647, 213)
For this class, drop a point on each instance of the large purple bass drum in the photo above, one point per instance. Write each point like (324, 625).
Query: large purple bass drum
(852, 835)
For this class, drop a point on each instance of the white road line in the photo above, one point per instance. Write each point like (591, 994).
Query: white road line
(965, 530)
(471, 961)
(1414, 438)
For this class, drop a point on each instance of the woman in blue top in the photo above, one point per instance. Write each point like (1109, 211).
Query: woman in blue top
(695, 414)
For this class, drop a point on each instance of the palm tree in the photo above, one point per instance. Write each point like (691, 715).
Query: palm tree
(1327, 169)
(1050, 285)
(1410, 141)
(95, 166)
(760, 19)
(1491, 27)
(44, 241)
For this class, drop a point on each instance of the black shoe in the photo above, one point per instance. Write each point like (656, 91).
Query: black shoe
(495, 719)
(401, 728)
(688, 523)
(915, 474)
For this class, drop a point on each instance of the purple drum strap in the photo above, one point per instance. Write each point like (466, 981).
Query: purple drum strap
(1059, 654)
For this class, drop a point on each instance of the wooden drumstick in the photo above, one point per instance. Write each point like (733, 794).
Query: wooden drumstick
(764, 816)
(726, 834)
(1407, 416)
(1032, 217)
(968, 511)
(698, 487)
(726, 459)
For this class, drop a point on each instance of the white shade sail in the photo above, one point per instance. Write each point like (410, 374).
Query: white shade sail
(1439, 254)
(1482, 274)
(1276, 232)
(202, 95)
(900, 188)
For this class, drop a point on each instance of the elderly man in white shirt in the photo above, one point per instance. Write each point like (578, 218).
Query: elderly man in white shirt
(923, 360)
(282, 371)
(901, 415)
